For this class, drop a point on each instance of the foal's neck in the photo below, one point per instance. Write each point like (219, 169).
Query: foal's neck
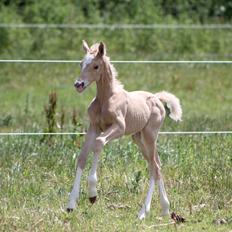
(107, 84)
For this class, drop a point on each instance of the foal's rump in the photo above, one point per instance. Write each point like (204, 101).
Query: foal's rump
(140, 107)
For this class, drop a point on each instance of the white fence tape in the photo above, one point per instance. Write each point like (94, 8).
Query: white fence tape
(117, 26)
(83, 133)
(127, 61)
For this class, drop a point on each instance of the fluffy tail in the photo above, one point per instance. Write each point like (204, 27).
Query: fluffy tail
(172, 103)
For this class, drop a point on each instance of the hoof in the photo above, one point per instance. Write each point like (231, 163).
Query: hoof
(93, 199)
(69, 210)
(165, 213)
(141, 216)
(142, 213)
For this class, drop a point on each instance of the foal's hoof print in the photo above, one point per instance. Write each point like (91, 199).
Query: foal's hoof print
(93, 199)
(69, 210)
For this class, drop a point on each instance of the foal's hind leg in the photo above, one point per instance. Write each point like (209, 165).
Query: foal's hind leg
(147, 204)
(138, 140)
(149, 140)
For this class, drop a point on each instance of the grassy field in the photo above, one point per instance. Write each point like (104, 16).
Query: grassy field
(36, 174)
(36, 179)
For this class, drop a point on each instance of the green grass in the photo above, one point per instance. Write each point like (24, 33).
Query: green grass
(36, 179)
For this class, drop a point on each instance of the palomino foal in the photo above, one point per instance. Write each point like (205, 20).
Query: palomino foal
(114, 112)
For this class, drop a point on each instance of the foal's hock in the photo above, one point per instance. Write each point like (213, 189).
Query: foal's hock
(115, 112)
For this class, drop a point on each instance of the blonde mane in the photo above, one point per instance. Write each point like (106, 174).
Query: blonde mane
(113, 74)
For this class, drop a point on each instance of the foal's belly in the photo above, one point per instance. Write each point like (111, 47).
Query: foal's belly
(138, 112)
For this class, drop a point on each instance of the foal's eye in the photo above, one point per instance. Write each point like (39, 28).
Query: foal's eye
(95, 67)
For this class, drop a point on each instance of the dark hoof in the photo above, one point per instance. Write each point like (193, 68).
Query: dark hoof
(92, 199)
(69, 210)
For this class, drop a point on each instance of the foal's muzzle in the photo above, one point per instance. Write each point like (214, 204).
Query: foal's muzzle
(79, 85)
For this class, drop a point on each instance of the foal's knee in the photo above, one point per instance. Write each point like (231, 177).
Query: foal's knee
(81, 161)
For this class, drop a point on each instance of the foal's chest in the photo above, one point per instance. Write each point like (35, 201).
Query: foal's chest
(100, 116)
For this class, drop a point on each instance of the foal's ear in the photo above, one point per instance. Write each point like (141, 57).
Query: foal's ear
(101, 49)
(85, 46)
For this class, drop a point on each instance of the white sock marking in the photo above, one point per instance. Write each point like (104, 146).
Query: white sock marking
(74, 195)
(163, 198)
(147, 204)
(92, 179)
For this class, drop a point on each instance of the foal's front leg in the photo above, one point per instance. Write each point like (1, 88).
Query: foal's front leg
(92, 180)
(88, 145)
(111, 133)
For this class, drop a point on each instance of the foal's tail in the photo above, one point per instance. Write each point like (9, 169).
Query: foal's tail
(172, 103)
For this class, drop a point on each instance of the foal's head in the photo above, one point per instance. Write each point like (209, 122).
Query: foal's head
(91, 65)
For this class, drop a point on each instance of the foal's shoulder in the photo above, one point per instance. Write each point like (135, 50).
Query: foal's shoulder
(94, 107)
